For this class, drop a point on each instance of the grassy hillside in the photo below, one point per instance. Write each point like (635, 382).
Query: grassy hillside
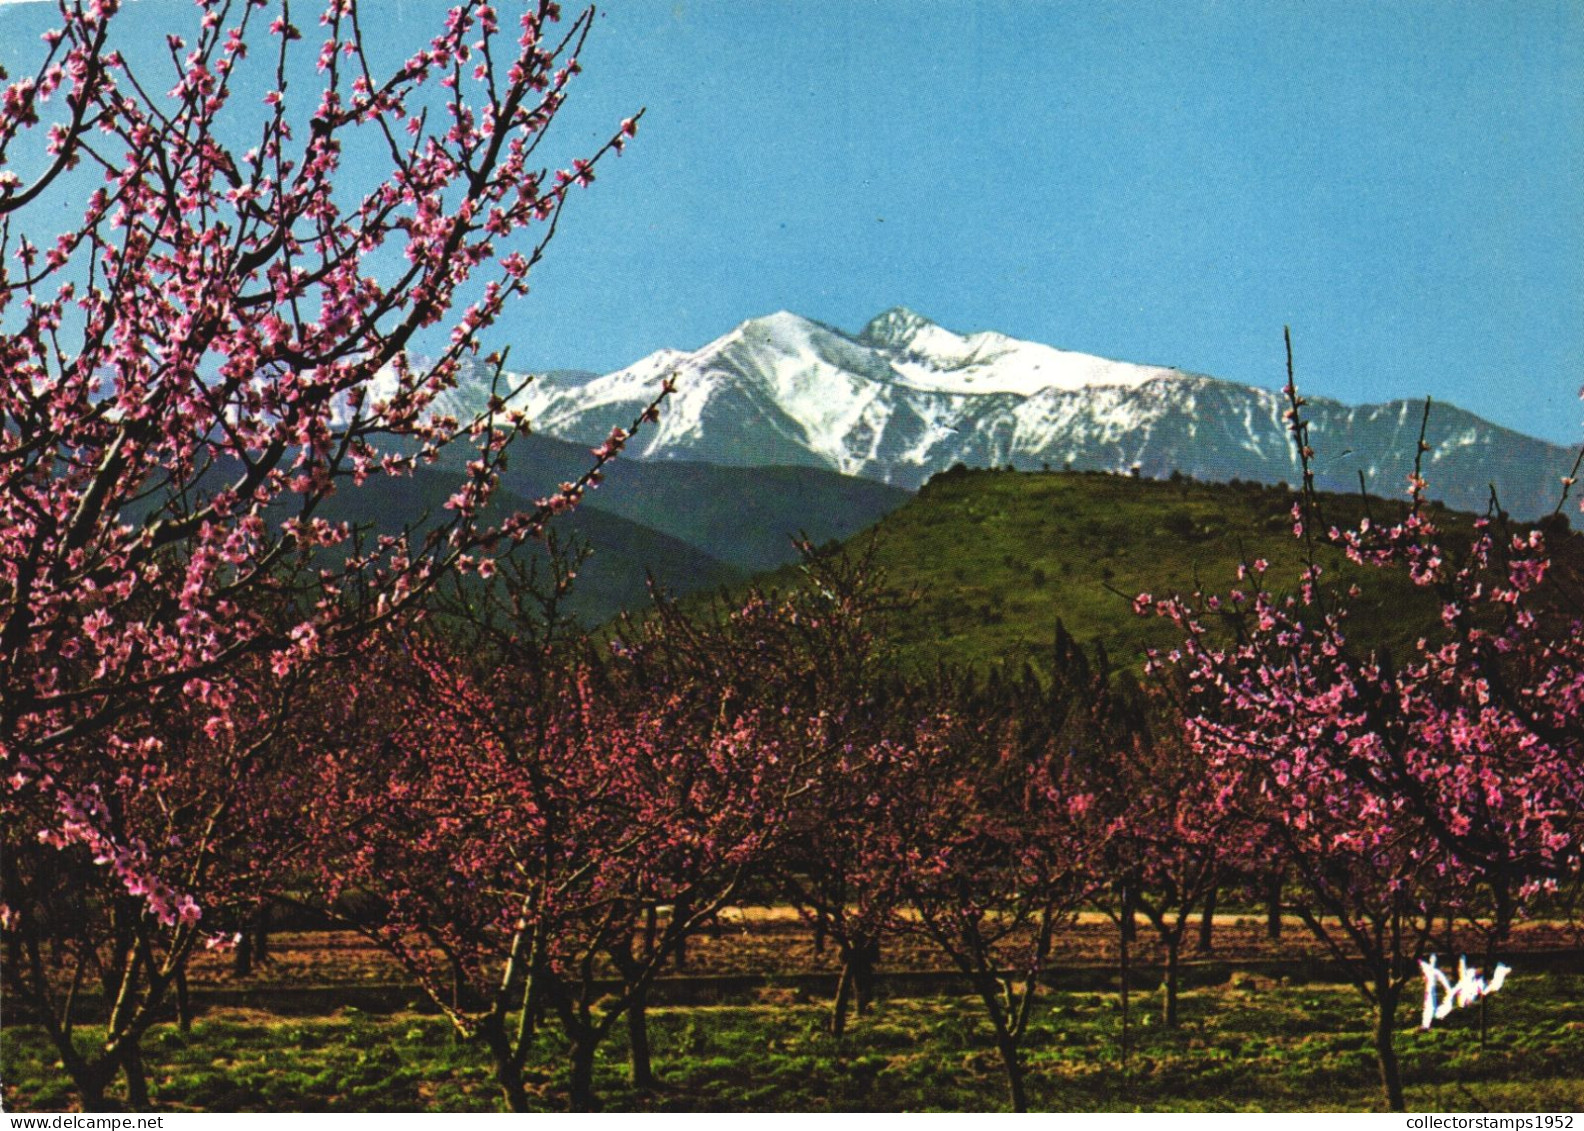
(995, 558)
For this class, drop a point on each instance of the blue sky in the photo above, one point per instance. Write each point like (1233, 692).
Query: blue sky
(1163, 182)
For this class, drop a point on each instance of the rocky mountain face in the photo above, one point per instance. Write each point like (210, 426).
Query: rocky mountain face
(906, 398)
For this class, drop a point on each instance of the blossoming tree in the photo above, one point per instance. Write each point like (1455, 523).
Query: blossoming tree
(196, 364)
(1449, 783)
(223, 336)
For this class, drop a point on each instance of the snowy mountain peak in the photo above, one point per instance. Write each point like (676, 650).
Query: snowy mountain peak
(905, 398)
(896, 328)
(782, 330)
(782, 321)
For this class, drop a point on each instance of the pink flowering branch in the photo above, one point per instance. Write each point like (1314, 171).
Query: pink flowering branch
(1451, 781)
(200, 362)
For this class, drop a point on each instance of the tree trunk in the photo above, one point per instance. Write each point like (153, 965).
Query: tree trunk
(136, 1078)
(533, 996)
(838, 1018)
(261, 924)
(242, 957)
(988, 987)
(1207, 921)
(1386, 1050)
(92, 1095)
(1169, 982)
(509, 1080)
(1123, 940)
(1013, 1063)
(581, 1097)
(91, 1080)
(1273, 908)
(508, 1073)
(865, 958)
(184, 1009)
(679, 915)
(651, 931)
(640, 1067)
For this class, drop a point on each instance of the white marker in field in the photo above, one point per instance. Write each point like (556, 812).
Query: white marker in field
(1468, 989)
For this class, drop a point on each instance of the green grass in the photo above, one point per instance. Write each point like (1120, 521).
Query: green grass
(995, 558)
(1276, 1047)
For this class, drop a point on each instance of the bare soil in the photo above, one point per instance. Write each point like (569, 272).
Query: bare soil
(775, 941)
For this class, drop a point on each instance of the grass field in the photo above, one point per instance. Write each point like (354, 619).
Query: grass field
(1251, 1043)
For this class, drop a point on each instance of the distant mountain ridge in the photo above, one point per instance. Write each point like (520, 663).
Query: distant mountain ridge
(905, 398)
(745, 518)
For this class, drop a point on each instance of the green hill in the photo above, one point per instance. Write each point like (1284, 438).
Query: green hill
(994, 558)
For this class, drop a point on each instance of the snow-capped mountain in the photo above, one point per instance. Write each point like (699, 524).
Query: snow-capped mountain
(896, 402)
(906, 398)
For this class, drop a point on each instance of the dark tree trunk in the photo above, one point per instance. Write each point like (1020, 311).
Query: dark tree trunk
(651, 928)
(184, 1009)
(1273, 908)
(533, 998)
(844, 986)
(1207, 921)
(865, 958)
(1386, 1049)
(242, 957)
(678, 915)
(93, 1099)
(640, 1067)
(1169, 982)
(509, 1080)
(1017, 1096)
(261, 927)
(91, 1089)
(989, 989)
(1124, 937)
(581, 1095)
(508, 1073)
(136, 1078)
